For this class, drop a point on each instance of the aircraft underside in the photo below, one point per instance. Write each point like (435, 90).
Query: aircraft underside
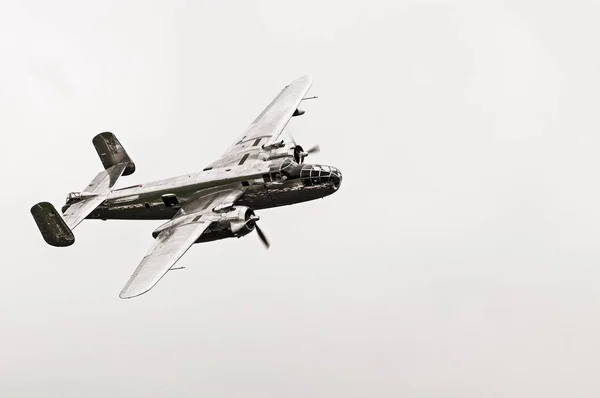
(256, 197)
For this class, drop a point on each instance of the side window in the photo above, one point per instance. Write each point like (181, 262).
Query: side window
(305, 172)
(315, 171)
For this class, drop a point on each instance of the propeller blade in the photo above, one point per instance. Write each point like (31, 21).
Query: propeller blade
(314, 149)
(262, 236)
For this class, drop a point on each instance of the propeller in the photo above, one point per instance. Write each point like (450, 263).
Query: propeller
(301, 154)
(314, 149)
(252, 221)
(262, 236)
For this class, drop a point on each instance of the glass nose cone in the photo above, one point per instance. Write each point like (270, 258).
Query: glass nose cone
(336, 177)
(314, 174)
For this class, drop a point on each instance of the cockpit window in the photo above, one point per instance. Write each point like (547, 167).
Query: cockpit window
(286, 167)
(286, 164)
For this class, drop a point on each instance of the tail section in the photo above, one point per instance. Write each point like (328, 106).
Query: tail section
(57, 230)
(52, 226)
(111, 152)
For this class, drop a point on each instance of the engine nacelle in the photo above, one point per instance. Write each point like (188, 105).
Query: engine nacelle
(235, 223)
(240, 220)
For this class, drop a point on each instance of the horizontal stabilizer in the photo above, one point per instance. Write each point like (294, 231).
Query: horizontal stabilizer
(52, 226)
(76, 213)
(111, 152)
(97, 190)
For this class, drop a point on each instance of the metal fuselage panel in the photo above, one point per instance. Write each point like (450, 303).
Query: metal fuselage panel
(147, 204)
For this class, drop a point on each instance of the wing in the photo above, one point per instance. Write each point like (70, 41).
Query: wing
(170, 245)
(267, 127)
(176, 237)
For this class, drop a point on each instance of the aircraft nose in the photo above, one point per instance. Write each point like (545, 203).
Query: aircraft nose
(336, 177)
(314, 174)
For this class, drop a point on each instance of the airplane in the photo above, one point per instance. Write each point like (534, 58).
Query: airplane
(264, 168)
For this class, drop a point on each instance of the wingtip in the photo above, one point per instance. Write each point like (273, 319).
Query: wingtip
(129, 293)
(126, 296)
(303, 79)
(131, 290)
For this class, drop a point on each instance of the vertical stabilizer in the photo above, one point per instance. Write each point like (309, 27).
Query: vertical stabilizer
(52, 226)
(111, 152)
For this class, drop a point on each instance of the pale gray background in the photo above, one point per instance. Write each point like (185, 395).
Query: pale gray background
(459, 259)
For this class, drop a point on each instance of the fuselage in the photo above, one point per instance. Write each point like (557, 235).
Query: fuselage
(274, 184)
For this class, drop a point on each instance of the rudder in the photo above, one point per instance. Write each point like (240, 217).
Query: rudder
(111, 152)
(52, 226)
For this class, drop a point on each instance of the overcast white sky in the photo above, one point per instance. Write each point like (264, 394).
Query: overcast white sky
(460, 258)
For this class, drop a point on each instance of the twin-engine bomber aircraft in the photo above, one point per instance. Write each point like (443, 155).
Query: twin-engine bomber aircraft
(264, 168)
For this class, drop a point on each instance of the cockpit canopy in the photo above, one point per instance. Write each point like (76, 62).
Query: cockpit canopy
(78, 196)
(282, 171)
(287, 166)
(73, 197)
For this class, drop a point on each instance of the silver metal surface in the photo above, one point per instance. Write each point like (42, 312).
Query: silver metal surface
(268, 126)
(259, 171)
(169, 246)
(93, 195)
